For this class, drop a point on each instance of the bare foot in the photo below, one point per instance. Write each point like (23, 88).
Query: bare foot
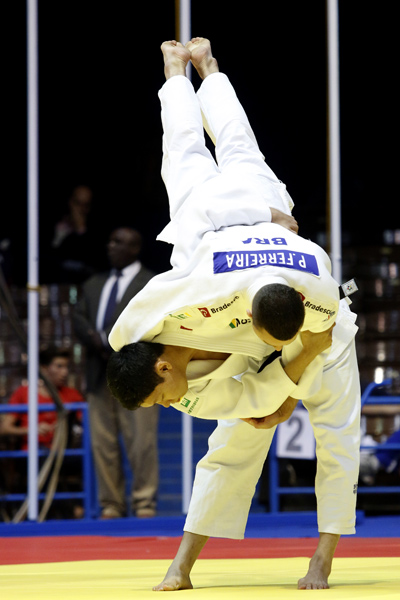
(316, 578)
(321, 564)
(201, 56)
(177, 577)
(174, 580)
(176, 57)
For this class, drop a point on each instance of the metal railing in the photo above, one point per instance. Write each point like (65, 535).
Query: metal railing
(276, 490)
(87, 495)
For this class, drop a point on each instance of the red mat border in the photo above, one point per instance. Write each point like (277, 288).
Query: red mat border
(31, 550)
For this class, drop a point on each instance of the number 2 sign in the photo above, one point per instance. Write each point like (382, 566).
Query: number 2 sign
(295, 437)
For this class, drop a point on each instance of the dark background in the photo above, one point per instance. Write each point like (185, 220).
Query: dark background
(100, 68)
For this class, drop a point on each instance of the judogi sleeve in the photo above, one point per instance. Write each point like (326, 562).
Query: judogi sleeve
(250, 395)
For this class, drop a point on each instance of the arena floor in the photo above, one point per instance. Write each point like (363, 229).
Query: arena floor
(126, 558)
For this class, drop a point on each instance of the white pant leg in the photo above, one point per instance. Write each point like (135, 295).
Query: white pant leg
(236, 144)
(335, 416)
(226, 479)
(186, 160)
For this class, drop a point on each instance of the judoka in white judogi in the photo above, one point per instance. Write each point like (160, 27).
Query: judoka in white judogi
(225, 249)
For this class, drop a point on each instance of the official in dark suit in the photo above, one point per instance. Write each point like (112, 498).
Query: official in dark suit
(104, 296)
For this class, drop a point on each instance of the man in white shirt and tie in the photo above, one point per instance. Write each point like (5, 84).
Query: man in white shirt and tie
(104, 296)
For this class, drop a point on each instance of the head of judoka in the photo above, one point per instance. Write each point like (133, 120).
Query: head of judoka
(277, 314)
(142, 374)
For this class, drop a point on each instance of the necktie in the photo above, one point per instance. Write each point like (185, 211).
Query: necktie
(112, 301)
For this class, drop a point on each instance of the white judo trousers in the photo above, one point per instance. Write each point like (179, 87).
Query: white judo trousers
(226, 477)
(241, 178)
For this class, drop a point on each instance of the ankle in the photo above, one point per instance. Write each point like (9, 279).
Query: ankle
(207, 67)
(178, 569)
(173, 68)
(321, 562)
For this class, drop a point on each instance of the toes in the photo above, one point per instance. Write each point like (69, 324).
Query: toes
(164, 588)
(312, 586)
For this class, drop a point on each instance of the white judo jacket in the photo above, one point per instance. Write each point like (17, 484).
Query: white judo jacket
(202, 303)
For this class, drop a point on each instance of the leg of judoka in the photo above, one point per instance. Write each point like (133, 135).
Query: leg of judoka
(226, 122)
(230, 469)
(186, 160)
(221, 107)
(178, 574)
(320, 564)
(335, 416)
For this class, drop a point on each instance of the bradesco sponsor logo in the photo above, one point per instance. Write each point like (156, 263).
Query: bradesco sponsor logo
(319, 308)
(213, 310)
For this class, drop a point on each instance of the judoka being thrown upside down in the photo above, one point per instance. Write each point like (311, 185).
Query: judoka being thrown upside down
(247, 322)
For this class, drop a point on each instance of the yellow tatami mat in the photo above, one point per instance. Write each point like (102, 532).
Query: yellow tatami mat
(244, 579)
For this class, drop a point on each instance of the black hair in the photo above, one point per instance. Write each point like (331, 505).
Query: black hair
(47, 355)
(279, 310)
(131, 376)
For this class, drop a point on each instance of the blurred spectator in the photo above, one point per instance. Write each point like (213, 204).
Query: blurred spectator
(75, 221)
(93, 319)
(74, 249)
(5, 257)
(374, 463)
(383, 460)
(54, 362)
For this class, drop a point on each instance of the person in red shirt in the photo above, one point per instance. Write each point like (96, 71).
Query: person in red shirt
(54, 363)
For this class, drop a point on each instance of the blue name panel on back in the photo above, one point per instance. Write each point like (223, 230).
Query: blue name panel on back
(225, 262)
